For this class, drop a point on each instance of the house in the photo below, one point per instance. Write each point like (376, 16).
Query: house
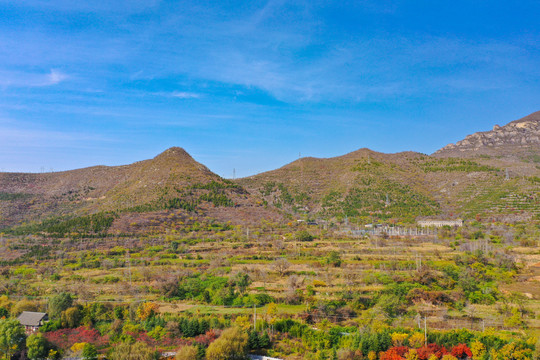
(32, 321)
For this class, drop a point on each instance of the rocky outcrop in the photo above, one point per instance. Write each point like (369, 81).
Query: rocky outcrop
(517, 135)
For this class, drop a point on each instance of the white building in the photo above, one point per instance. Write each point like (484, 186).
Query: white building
(439, 223)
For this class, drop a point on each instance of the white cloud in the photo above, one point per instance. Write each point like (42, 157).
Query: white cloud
(26, 79)
(55, 77)
(185, 95)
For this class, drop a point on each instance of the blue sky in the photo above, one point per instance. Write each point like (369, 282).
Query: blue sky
(251, 85)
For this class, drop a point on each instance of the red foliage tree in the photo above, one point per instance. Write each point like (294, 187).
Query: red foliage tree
(207, 338)
(431, 349)
(65, 338)
(394, 353)
(461, 351)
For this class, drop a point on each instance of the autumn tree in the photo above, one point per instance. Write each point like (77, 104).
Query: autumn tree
(478, 350)
(135, 351)
(231, 345)
(71, 317)
(23, 305)
(146, 310)
(188, 352)
(417, 340)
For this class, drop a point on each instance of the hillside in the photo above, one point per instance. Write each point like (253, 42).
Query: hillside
(373, 186)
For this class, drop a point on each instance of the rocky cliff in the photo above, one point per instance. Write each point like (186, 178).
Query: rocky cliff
(519, 138)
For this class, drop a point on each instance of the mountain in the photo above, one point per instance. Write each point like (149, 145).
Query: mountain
(519, 139)
(489, 175)
(372, 186)
(493, 174)
(173, 180)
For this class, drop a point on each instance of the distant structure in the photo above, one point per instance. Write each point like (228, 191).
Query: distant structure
(439, 223)
(32, 321)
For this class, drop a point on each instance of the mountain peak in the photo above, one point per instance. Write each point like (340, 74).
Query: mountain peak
(515, 136)
(174, 152)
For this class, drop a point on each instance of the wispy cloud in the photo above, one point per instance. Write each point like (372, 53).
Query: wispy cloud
(28, 79)
(185, 95)
(10, 136)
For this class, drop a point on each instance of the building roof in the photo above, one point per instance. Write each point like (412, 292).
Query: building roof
(30, 318)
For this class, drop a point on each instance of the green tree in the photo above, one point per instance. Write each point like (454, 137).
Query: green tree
(38, 347)
(89, 352)
(12, 337)
(303, 235)
(231, 345)
(59, 303)
(334, 259)
(264, 341)
(242, 281)
(253, 340)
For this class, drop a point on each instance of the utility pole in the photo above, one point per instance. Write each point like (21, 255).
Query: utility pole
(425, 330)
(128, 260)
(254, 317)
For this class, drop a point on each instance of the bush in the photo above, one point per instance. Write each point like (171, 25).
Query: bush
(303, 235)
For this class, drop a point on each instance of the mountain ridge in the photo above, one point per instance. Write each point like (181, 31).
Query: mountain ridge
(509, 140)
(363, 184)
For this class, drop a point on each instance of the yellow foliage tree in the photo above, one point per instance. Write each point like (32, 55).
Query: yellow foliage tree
(231, 345)
(147, 309)
(511, 351)
(399, 338)
(243, 322)
(449, 357)
(412, 355)
(187, 352)
(478, 350)
(136, 351)
(417, 340)
(77, 349)
(5, 302)
(271, 311)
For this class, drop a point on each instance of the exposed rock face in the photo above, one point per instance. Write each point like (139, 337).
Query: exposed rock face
(511, 139)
